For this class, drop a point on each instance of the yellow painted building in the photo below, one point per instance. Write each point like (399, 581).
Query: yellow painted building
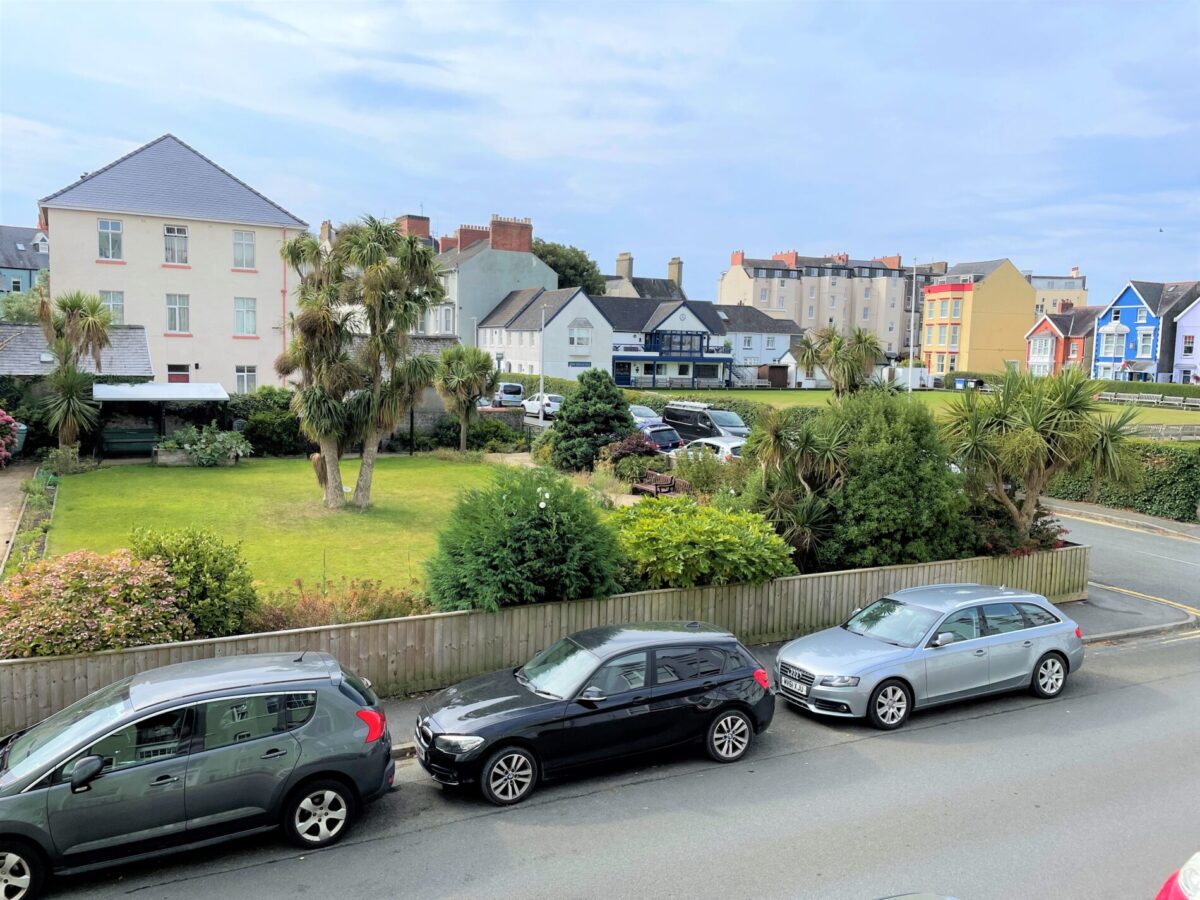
(976, 317)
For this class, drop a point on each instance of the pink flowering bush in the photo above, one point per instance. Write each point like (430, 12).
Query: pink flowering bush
(85, 601)
(8, 437)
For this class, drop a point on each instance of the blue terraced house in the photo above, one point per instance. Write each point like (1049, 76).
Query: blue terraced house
(1134, 337)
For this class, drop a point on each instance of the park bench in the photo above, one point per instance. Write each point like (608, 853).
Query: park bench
(1150, 399)
(655, 484)
(1191, 403)
(1176, 402)
(115, 439)
(1108, 396)
(1126, 398)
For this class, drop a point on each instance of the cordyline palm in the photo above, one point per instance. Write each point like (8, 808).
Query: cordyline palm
(848, 360)
(464, 375)
(394, 280)
(772, 439)
(808, 354)
(1012, 444)
(75, 326)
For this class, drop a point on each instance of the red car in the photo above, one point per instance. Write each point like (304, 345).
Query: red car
(1184, 884)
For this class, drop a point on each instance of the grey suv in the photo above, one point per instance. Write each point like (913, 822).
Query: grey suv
(191, 754)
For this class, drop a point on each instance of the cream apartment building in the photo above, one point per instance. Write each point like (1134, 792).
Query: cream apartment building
(171, 241)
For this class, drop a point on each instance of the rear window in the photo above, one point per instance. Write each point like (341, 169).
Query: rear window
(1036, 615)
(358, 689)
(664, 435)
(556, 398)
(511, 389)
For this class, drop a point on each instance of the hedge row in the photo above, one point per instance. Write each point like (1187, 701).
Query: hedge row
(1168, 485)
(1120, 387)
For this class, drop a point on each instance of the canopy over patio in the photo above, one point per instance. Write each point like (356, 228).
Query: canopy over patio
(160, 392)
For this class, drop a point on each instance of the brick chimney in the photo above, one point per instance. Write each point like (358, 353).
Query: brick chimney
(790, 258)
(625, 264)
(892, 262)
(511, 234)
(737, 257)
(448, 242)
(1065, 306)
(326, 233)
(1074, 271)
(416, 225)
(840, 259)
(471, 234)
(675, 271)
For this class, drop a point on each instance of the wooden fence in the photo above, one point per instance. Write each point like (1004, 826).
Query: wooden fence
(426, 652)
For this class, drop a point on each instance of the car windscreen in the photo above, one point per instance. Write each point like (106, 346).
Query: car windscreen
(61, 732)
(558, 670)
(643, 412)
(511, 389)
(664, 435)
(726, 419)
(893, 622)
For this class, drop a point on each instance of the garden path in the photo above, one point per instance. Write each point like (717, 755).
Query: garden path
(11, 498)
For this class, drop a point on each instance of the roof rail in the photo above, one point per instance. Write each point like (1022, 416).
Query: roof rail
(689, 404)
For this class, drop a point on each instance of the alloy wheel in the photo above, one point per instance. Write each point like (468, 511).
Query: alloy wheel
(15, 876)
(511, 776)
(1050, 675)
(731, 736)
(891, 704)
(321, 816)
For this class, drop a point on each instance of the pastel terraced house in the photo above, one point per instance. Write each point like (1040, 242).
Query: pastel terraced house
(976, 318)
(1187, 337)
(1136, 332)
(1062, 340)
(171, 241)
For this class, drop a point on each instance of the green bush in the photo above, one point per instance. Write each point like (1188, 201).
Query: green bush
(1106, 385)
(1167, 486)
(531, 384)
(592, 417)
(673, 542)
(701, 470)
(66, 461)
(265, 399)
(487, 433)
(276, 432)
(217, 592)
(528, 538)
(335, 603)
(900, 501)
(632, 469)
(85, 602)
(207, 446)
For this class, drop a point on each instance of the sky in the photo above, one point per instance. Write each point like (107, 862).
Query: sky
(1055, 134)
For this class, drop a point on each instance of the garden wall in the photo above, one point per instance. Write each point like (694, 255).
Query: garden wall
(427, 652)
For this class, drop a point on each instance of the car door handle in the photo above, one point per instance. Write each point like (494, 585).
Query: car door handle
(274, 753)
(1027, 644)
(981, 653)
(164, 779)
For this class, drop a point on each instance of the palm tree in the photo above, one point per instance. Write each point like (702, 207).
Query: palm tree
(773, 439)
(848, 360)
(395, 280)
(75, 326)
(808, 355)
(464, 375)
(1012, 444)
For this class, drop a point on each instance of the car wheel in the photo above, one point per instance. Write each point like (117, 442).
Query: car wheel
(318, 814)
(890, 705)
(509, 776)
(729, 736)
(22, 870)
(1049, 676)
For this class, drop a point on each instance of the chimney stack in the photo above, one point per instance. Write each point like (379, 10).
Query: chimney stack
(326, 235)
(737, 257)
(840, 259)
(415, 225)
(789, 258)
(625, 264)
(471, 234)
(448, 242)
(675, 271)
(1074, 271)
(511, 234)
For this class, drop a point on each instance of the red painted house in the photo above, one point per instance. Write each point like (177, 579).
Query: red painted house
(1061, 340)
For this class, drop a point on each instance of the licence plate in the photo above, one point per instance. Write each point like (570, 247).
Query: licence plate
(798, 687)
(420, 752)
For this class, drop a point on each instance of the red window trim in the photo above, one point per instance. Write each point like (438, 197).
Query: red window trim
(176, 266)
(246, 337)
(177, 334)
(111, 262)
(245, 271)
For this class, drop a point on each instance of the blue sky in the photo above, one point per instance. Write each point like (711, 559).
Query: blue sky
(1051, 133)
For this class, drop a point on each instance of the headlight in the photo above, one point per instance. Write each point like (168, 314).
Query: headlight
(457, 743)
(839, 681)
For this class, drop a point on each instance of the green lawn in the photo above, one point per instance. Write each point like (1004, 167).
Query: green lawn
(274, 507)
(935, 399)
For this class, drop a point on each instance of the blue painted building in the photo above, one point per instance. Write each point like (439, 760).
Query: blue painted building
(1135, 334)
(23, 252)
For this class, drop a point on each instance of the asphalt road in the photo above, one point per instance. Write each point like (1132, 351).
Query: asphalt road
(1096, 794)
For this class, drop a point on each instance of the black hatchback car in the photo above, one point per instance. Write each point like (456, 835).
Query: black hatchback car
(596, 695)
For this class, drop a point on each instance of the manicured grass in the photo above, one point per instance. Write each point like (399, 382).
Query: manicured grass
(274, 507)
(935, 399)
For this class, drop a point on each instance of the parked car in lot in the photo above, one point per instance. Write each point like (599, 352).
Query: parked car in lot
(546, 404)
(644, 415)
(700, 420)
(189, 754)
(723, 448)
(597, 694)
(927, 646)
(665, 437)
(508, 393)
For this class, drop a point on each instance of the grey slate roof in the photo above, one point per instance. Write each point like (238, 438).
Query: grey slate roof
(984, 268)
(168, 178)
(530, 318)
(755, 321)
(12, 258)
(1162, 297)
(451, 259)
(22, 346)
(509, 308)
(652, 288)
(626, 313)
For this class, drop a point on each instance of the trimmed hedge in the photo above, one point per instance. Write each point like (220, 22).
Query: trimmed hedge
(1120, 387)
(1168, 486)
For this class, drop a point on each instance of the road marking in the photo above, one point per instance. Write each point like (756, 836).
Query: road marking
(1170, 559)
(1105, 524)
(1150, 597)
(1186, 637)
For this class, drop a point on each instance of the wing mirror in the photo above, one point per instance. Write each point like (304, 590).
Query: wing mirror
(592, 695)
(946, 637)
(85, 772)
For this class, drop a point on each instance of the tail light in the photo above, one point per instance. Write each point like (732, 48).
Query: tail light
(1078, 632)
(376, 723)
(760, 675)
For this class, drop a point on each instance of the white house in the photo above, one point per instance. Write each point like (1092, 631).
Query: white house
(1187, 336)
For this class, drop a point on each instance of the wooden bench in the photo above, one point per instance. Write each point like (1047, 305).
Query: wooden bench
(1126, 398)
(1150, 399)
(128, 440)
(1108, 396)
(657, 484)
(1191, 402)
(1176, 402)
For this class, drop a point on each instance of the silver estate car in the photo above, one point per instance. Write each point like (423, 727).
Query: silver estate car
(926, 646)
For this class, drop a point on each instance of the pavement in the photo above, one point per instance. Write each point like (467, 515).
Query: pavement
(1090, 795)
(11, 498)
(1123, 518)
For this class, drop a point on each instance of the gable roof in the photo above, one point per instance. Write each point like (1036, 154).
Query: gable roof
(748, 319)
(11, 257)
(509, 308)
(22, 346)
(985, 267)
(1176, 295)
(451, 259)
(1158, 297)
(651, 288)
(1185, 305)
(168, 178)
(530, 318)
(1074, 323)
(1052, 319)
(626, 313)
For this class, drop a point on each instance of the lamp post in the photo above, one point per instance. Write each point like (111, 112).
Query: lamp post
(912, 324)
(542, 370)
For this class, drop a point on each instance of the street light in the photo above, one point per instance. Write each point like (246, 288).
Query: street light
(912, 323)
(542, 370)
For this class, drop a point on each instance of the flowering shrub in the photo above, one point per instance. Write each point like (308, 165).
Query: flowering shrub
(308, 606)
(8, 437)
(84, 602)
(207, 446)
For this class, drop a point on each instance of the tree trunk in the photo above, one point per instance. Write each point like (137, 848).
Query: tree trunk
(335, 497)
(366, 472)
(463, 422)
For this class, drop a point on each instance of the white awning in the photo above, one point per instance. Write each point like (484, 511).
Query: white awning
(157, 392)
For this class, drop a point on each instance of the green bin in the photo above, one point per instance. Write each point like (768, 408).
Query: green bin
(22, 429)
